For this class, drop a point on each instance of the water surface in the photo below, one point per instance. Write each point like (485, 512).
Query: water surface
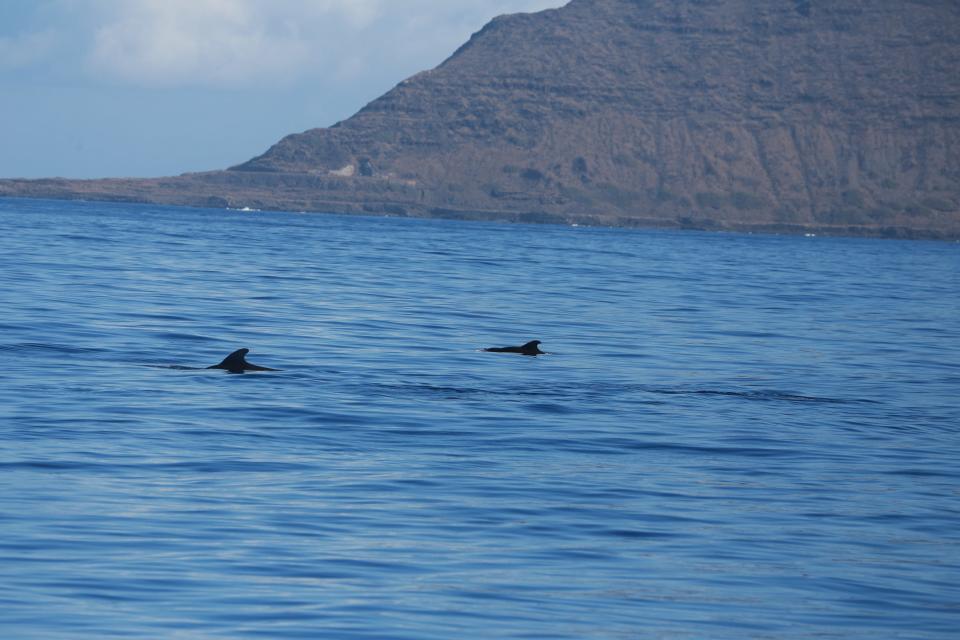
(733, 436)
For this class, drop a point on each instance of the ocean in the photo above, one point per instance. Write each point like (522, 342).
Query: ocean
(731, 436)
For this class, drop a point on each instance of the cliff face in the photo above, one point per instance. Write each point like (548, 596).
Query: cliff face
(785, 114)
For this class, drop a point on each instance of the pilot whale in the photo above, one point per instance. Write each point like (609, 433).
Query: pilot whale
(237, 363)
(532, 348)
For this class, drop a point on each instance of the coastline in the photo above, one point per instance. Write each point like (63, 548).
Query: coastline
(384, 197)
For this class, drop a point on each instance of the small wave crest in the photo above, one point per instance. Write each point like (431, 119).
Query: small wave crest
(606, 390)
(43, 346)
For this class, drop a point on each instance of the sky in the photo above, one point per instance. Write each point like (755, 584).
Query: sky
(137, 88)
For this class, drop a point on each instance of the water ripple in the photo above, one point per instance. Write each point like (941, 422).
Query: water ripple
(732, 437)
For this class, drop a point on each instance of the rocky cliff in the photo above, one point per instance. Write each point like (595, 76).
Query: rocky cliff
(792, 115)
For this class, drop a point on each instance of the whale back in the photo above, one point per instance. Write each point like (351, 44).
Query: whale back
(531, 348)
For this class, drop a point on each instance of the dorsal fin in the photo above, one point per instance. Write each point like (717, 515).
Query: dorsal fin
(532, 348)
(234, 363)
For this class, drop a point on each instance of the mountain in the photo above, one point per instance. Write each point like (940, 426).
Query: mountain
(839, 116)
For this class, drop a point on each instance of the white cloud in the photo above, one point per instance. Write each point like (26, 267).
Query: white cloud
(244, 43)
(215, 42)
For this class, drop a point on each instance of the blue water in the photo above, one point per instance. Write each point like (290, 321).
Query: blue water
(733, 436)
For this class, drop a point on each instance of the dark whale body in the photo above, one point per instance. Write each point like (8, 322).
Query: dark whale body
(532, 348)
(237, 363)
